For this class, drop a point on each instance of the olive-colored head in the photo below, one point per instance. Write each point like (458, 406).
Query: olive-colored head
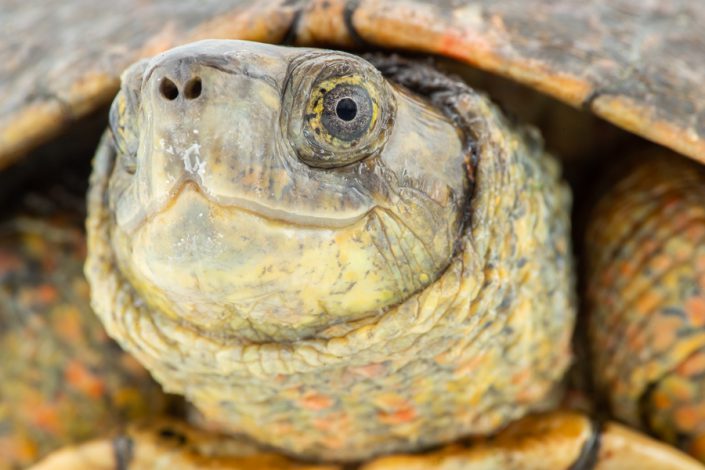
(263, 191)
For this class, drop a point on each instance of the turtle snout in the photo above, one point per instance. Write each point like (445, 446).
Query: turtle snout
(178, 79)
(170, 90)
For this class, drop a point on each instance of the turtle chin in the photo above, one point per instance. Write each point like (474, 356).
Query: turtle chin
(236, 272)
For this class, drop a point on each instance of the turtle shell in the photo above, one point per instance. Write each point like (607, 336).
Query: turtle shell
(637, 64)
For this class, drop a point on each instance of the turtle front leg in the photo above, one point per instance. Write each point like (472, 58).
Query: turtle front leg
(645, 250)
(552, 440)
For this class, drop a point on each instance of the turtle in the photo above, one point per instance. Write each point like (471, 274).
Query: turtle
(337, 250)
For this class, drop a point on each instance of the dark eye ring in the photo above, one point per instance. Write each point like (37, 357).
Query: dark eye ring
(347, 111)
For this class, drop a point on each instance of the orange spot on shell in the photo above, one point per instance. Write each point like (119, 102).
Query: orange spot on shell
(665, 332)
(80, 378)
(45, 294)
(695, 308)
(686, 418)
(45, 415)
(661, 262)
(693, 365)
(700, 263)
(627, 268)
(662, 401)
(647, 303)
(695, 233)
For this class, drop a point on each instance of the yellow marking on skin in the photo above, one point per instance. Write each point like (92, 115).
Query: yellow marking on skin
(268, 97)
(280, 179)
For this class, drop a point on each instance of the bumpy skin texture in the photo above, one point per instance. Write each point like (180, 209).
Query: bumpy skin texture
(62, 380)
(646, 297)
(635, 63)
(481, 345)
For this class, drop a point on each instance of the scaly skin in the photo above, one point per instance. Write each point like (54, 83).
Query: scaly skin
(646, 295)
(477, 340)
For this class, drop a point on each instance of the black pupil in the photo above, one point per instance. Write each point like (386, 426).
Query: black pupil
(346, 109)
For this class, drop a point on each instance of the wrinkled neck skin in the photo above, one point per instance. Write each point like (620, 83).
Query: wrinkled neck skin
(222, 222)
(334, 281)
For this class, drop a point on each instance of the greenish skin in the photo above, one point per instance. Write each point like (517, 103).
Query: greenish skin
(336, 288)
(388, 221)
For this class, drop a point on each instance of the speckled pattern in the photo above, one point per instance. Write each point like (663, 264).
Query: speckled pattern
(646, 297)
(485, 343)
(62, 59)
(636, 63)
(62, 380)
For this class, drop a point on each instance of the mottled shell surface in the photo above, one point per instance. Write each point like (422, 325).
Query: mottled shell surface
(635, 63)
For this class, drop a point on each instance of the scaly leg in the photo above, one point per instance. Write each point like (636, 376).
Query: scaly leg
(645, 254)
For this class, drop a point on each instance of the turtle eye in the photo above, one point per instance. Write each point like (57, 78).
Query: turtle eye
(338, 109)
(347, 112)
(339, 120)
(345, 119)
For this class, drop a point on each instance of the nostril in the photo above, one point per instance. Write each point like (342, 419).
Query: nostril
(168, 89)
(192, 89)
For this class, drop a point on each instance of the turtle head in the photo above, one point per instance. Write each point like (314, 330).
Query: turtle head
(268, 224)
(267, 191)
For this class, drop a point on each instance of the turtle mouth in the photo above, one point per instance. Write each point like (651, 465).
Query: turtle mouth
(289, 217)
(283, 215)
(231, 269)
